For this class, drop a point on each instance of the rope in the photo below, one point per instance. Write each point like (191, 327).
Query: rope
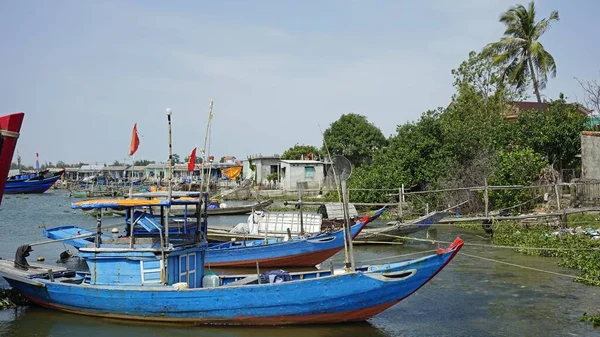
(492, 246)
(9, 134)
(530, 268)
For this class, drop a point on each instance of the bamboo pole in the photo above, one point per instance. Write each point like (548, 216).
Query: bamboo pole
(486, 198)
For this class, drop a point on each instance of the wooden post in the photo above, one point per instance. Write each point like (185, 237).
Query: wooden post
(400, 197)
(258, 272)
(99, 228)
(300, 210)
(50, 275)
(557, 196)
(486, 198)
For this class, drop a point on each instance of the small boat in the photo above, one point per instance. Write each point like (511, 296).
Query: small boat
(154, 279)
(38, 182)
(393, 229)
(214, 208)
(305, 251)
(10, 126)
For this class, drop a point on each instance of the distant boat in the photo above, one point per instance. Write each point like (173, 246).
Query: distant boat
(397, 228)
(10, 125)
(38, 182)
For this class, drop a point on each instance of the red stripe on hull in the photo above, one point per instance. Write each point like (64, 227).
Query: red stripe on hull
(328, 318)
(299, 260)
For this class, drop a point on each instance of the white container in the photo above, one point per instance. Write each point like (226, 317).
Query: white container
(211, 280)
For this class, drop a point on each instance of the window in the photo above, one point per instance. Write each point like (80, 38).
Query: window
(309, 171)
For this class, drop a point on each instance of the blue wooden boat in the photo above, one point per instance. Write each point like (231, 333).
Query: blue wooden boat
(273, 252)
(155, 279)
(38, 182)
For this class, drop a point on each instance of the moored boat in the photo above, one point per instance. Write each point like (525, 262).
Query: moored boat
(155, 279)
(38, 182)
(304, 251)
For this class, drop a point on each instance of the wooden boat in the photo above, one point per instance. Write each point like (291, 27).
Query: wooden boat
(10, 126)
(273, 252)
(394, 229)
(38, 182)
(155, 279)
(213, 209)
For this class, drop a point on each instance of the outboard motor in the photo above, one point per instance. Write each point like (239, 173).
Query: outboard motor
(21, 257)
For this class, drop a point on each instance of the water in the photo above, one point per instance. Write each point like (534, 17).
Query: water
(469, 297)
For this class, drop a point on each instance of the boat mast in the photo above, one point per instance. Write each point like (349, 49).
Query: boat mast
(204, 150)
(169, 178)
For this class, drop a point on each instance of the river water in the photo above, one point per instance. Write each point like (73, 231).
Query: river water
(470, 297)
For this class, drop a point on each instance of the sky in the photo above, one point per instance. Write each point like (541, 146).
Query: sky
(279, 72)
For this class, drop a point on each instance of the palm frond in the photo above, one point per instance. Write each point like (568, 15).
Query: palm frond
(542, 26)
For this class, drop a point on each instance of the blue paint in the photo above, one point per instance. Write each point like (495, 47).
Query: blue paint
(310, 296)
(30, 183)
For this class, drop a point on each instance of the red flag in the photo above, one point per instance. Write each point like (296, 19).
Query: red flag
(192, 161)
(135, 141)
(37, 154)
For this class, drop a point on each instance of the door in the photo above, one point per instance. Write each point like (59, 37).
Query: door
(187, 269)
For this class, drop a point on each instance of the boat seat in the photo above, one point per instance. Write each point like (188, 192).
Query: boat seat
(244, 281)
(147, 221)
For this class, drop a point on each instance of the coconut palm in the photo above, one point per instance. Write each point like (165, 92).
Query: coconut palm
(523, 57)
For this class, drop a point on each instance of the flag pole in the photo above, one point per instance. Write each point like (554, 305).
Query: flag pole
(131, 178)
(169, 178)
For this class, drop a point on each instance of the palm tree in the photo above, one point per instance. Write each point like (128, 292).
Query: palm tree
(519, 50)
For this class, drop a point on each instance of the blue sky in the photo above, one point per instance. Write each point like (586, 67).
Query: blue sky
(85, 71)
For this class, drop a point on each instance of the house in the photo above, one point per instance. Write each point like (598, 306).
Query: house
(116, 172)
(308, 172)
(516, 107)
(137, 172)
(86, 171)
(265, 166)
(156, 171)
(590, 155)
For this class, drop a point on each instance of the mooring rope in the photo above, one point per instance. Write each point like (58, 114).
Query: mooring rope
(530, 268)
(490, 246)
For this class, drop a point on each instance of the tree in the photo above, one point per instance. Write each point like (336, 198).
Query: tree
(300, 151)
(520, 52)
(176, 159)
(143, 162)
(61, 163)
(517, 166)
(554, 133)
(117, 163)
(198, 160)
(353, 137)
(591, 92)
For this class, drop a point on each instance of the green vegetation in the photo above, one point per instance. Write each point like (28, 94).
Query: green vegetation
(595, 319)
(10, 298)
(353, 137)
(572, 251)
(471, 140)
(300, 151)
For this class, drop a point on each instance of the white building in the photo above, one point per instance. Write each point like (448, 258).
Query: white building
(310, 172)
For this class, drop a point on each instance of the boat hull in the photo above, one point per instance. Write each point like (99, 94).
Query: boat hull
(31, 186)
(10, 124)
(330, 299)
